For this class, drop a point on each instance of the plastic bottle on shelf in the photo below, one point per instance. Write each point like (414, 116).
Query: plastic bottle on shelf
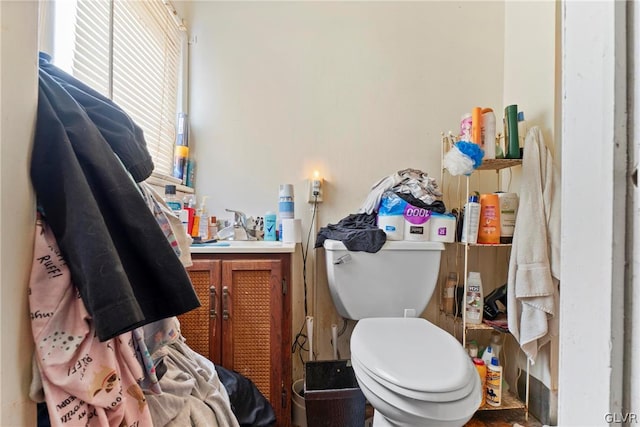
(474, 302)
(488, 354)
(481, 367)
(476, 127)
(489, 227)
(471, 220)
(472, 349)
(496, 343)
(494, 383)
(522, 130)
(489, 133)
(511, 141)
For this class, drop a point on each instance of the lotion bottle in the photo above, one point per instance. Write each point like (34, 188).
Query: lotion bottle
(471, 221)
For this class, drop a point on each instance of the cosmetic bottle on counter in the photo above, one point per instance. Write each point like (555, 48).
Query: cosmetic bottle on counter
(270, 226)
(285, 206)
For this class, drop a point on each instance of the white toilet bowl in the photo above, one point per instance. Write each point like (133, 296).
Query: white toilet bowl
(413, 373)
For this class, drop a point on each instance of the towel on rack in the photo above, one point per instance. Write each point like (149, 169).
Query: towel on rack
(534, 266)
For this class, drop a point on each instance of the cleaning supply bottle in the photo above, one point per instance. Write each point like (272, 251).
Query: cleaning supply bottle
(481, 367)
(471, 221)
(494, 383)
(488, 354)
(474, 302)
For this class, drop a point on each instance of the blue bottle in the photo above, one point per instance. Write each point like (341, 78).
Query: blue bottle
(270, 226)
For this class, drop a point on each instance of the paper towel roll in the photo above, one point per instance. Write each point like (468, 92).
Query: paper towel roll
(291, 230)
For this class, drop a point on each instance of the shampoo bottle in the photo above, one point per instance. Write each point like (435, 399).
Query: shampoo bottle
(489, 227)
(471, 221)
(474, 299)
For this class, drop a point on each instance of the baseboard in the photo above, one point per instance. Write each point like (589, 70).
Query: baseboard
(543, 403)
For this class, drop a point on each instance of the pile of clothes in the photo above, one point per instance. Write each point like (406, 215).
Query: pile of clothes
(108, 279)
(360, 232)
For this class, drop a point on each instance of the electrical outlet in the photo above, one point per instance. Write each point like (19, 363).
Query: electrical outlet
(315, 190)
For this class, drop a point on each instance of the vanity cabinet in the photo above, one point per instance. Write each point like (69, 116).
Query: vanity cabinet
(244, 323)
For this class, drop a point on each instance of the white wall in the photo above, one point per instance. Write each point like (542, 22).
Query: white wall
(593, 166)
(632, 297)
(18, 85)
(357, 90)
(531, 82)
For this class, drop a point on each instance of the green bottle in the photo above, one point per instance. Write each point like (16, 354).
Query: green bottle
(512, 143)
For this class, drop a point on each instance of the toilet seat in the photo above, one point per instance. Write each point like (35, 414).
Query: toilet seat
(412, 354)
(417, 412)
(423, 396)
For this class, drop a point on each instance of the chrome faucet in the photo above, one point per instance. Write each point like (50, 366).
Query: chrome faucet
(240, 231)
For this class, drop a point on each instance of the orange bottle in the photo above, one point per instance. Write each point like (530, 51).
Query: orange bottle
(482, 371)
(489, 228)
(476, 126)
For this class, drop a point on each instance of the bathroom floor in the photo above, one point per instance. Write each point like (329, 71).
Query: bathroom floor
(506, 418)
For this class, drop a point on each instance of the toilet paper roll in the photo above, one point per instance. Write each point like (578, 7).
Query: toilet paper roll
(392, 225)
(291, 230)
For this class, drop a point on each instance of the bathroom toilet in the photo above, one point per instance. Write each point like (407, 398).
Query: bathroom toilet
(412, 372)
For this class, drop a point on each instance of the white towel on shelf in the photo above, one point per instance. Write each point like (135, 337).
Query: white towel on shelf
(534, 266)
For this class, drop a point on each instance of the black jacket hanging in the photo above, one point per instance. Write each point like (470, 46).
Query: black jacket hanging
(120, 261)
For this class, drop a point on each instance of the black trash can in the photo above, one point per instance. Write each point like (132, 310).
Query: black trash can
(332, 395)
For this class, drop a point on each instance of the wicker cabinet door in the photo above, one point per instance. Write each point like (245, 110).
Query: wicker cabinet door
(201, 327)
(252, 329)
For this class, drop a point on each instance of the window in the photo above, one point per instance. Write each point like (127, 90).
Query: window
(131, 52)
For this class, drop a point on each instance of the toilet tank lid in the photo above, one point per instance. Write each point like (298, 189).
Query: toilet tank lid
(390, 245)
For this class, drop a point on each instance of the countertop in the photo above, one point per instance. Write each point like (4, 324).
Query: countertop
(240, 246)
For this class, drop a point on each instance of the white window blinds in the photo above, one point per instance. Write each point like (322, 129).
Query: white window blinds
(130, 51)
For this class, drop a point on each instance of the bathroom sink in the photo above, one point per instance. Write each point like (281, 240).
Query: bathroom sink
(243, 246)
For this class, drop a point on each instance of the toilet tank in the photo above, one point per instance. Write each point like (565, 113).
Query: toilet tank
(400, 276)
